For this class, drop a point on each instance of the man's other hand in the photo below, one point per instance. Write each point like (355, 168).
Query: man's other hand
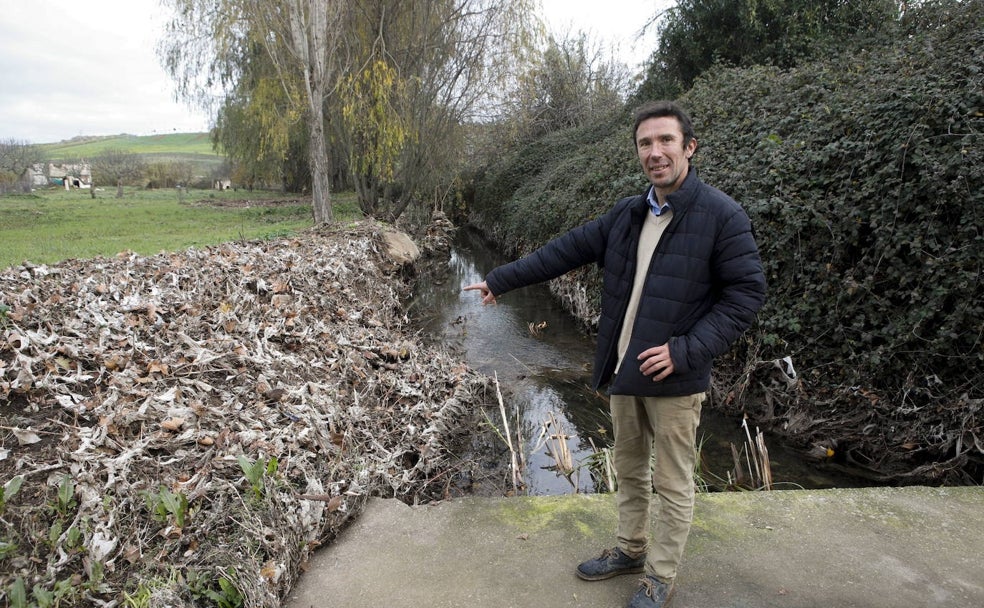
(656, 362)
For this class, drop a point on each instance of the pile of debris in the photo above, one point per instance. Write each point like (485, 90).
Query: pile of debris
(184, 429)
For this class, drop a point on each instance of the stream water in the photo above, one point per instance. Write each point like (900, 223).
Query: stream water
(542, 357)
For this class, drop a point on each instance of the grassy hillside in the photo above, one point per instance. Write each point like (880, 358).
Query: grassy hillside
(172, 144)
(194, 149)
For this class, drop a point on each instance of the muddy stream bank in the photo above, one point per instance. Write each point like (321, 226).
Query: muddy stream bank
(541, 356)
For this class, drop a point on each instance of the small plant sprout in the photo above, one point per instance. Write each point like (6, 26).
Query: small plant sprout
(164, 503)
(9, 489)
(255, 470)
(65, 499)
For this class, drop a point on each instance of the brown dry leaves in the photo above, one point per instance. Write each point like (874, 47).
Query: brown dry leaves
(139, 376)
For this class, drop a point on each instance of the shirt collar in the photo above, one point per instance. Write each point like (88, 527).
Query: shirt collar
(654, 205)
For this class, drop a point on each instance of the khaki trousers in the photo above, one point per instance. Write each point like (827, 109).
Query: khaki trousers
(668, 425)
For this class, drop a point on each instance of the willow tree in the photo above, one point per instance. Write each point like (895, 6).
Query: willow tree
(376, 135)
(258, 128)
(394, 80)
(421, 71)
(209, 44)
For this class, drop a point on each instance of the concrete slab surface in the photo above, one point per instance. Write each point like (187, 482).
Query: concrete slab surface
(868, 547)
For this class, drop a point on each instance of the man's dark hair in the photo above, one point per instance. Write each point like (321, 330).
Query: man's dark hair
(659, 109)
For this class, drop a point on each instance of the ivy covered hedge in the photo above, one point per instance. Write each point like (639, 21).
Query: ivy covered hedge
(863, 176)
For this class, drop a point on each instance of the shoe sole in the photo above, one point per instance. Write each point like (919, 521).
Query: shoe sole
(602, 577)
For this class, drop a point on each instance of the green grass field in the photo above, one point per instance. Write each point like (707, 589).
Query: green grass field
(193, 148)
(197, 144)
(52, 225)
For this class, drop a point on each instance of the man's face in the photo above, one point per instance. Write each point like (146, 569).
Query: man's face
(665, 160)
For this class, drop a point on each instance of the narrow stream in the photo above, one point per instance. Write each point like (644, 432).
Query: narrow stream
(542, 357)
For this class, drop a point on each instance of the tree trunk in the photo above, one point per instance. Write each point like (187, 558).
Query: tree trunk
(320, 171)
(309, 34)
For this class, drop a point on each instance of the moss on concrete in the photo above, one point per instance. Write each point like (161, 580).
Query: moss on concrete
(587, 515)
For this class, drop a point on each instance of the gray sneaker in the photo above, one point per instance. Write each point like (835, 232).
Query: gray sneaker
(612, 562)
(653, 594)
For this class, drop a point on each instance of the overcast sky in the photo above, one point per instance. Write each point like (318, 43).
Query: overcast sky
(89, 67)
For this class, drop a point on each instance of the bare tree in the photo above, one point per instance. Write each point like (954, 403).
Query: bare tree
(570, 83)
(117, 166)
(16, 158)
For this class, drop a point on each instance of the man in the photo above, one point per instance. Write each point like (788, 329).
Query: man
(682, 280)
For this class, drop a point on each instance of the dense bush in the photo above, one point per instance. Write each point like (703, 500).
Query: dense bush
(863, 177)
(696, 34)
(862, 174)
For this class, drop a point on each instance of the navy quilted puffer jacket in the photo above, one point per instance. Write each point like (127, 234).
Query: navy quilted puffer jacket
(704, 288)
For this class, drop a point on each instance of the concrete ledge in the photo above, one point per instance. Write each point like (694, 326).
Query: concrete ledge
(868, 547)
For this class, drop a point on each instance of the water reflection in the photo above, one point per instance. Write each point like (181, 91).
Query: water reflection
(541, 371)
